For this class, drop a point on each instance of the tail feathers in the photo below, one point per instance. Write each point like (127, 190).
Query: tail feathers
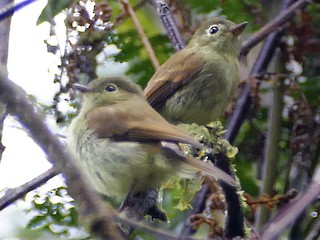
(211, 170)
(173, 150)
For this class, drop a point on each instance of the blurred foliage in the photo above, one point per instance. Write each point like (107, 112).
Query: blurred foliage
(55, 214)
(239, 11)
(90, 31)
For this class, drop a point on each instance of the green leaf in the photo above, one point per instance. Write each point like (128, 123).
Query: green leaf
(53, 8)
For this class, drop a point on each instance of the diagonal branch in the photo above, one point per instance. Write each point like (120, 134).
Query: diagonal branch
(143, 36)
(170, 25)
(291, 212)
(13, 195)
(90, 204)
(9, 9)
(263, 60)
(285, 15)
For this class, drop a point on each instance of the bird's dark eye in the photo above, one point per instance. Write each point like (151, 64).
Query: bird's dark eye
(111, 88)
(213, 29)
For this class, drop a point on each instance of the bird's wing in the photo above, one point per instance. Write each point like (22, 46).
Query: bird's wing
(174, 73)
(175, 151)
(160, 131)
(141, 124)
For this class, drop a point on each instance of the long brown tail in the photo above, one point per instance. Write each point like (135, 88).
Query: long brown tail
(211, 170)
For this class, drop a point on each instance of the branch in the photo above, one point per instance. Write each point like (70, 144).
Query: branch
(234, 224)
(290, 213)
(285, 15)
(271, 155)
(124, 15)
(243, 104)
(170, 25)
(4, 39)
(9, 9)
(90, 204)
(143, 36)
(13, 195)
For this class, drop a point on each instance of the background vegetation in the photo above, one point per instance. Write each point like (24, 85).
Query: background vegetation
(274, 120)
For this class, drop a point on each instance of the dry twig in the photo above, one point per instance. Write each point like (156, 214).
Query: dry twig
(143, 36)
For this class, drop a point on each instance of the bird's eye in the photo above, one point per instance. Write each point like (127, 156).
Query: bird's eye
(111, 88)
(213, 29)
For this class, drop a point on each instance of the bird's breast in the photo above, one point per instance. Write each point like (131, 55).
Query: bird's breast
(204, 98)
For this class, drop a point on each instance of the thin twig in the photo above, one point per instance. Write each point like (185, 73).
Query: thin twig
(14, 194)
(13, 7)
(272, 26)
(290, 213)
(143, 36)
(124, 15)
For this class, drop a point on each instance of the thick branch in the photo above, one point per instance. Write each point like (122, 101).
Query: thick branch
(143, 36)
(90, 204)
(4, 47)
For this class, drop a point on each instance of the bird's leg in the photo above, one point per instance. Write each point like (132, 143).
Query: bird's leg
(138, 204)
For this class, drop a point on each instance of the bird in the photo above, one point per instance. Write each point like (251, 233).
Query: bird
(196, 84)
(124, 145)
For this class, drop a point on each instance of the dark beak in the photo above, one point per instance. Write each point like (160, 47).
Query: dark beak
(81, 88)
(237, 30)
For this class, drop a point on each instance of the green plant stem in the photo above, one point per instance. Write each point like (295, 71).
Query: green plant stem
(269, 173)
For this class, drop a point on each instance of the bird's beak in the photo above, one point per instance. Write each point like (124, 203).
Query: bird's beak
(237, 30)
(81, 88)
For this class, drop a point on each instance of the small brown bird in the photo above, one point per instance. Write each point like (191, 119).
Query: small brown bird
(197, 83)
(124, 144)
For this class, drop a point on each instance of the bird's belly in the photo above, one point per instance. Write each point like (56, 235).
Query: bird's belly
(114, 167)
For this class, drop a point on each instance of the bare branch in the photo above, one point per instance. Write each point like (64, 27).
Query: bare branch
(272, 26)
(271, 156)
(4, 39)
(169, 24)
(143, 36)
(90, 205)
(243, 104)
(291, 212)
(14, 194)
(8, 10)
(125, 15)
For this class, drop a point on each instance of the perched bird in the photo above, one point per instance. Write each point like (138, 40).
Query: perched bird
(124, 145)
(196, 84)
